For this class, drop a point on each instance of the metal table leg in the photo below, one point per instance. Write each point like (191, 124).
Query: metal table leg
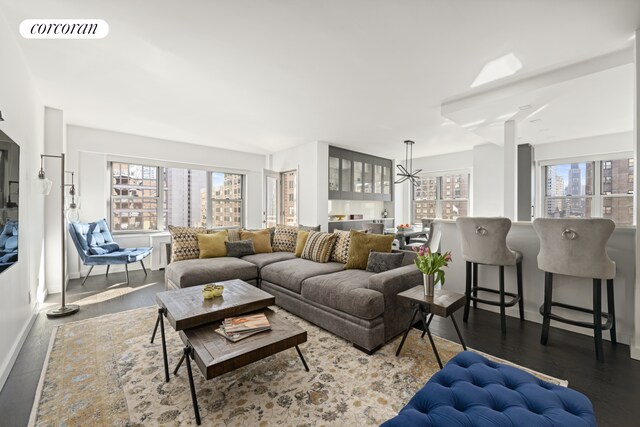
(413, 317)
(428, 323)
(175, 371)
(187, 356)
(155, 328)
(161, 312)
(304, 362)
(433, 346)
(453, 319)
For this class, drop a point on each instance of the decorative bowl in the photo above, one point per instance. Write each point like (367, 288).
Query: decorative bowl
(211, 291)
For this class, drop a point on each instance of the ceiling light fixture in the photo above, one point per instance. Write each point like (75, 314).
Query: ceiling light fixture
(499, 68)
(471, 124)
(405, 173)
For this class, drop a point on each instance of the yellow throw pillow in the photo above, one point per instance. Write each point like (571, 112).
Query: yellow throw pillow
(361, 243)
(301, 240)
(261, 240)
(212, 245)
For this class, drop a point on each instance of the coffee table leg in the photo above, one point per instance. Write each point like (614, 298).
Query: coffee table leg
(155, 328)
(164, 344)
(458, 331)
(413, 317)
(304, 362)
(175, 372)
(194, 399)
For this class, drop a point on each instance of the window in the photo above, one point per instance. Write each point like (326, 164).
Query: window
(444, 196)
(289, 197)
(590, 189)
(226, 199)
(146, 198)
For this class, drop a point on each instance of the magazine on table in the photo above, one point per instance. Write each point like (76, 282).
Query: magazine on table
(237, 328)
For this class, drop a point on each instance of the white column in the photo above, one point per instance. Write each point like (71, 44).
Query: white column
(510, 169)
(635, 339)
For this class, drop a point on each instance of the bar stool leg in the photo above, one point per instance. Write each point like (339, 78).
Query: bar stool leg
(597, 318)
(546, 308)
(475, 284)
(612, 310)
(520, 293)
(503, 315)
(467, 293)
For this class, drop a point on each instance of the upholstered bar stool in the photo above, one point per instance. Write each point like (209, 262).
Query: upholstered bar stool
(577, 247)
(484, 242)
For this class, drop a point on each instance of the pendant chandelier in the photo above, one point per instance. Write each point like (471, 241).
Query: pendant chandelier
(406, 170)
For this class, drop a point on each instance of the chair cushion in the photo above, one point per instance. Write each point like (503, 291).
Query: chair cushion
(106, 248)
(262, 260)
(345, 291)
(121, 256)
(471, 390)
(291, 273)
(193, 272)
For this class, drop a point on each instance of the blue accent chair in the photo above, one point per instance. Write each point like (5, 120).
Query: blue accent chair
(472, 390)
(8, 245)
(96, 246)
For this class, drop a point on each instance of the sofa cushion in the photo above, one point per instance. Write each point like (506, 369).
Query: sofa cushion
(301, 241)
(261, 240)
(193, 272)
(211, 245)
(345, 291)
(291, 273)
(262, 260)
(284, 238)
(361, 243)
(380, 262)
(319, 246)
(240, 248)
(184, 242)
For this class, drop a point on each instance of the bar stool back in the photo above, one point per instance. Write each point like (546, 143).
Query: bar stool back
(577, 247)
(484, 241)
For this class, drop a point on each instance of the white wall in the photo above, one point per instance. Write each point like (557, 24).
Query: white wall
(593, 146)
(89, 151)
(312, 162)
(487, 181)
(22, 285)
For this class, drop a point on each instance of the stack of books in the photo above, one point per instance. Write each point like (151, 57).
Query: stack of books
(236, 328)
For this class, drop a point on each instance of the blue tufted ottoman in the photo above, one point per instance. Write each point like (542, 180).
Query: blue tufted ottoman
(471, 390)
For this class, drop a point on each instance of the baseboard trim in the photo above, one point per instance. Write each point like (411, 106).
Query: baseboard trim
(15, 350)
(634, 349)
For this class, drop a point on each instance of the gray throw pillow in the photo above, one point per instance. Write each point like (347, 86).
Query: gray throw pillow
(307, 228)
(240, 248)
(383, 261)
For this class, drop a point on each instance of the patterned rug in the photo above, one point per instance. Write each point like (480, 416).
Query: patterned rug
(104, 371)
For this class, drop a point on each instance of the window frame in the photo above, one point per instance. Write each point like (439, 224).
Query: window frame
(439, 196)
(161, 227)
(597, 208)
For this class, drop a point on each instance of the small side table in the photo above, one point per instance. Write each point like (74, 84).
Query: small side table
(443, 303)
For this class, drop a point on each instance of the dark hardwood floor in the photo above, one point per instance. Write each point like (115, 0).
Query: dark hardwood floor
(613, 386)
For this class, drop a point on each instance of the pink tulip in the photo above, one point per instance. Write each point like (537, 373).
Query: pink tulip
(428, 251)
(421, 251)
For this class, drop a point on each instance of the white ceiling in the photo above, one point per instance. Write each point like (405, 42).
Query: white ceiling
(263, 76)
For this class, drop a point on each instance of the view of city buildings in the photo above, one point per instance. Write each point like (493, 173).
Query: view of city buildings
(135, 197)
(445, 197)
(289, 197)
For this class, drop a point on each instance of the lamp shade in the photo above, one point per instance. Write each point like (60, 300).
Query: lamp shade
(43, 185)
(73, 214)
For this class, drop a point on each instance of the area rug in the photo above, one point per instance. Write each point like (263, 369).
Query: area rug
(104, 371)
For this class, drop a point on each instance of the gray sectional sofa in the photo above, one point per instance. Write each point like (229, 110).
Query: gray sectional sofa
(357, 305)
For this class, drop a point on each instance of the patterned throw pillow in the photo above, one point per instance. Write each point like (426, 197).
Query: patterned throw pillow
(318, 247)
(184, 242)
(341, 248)
(284, 238)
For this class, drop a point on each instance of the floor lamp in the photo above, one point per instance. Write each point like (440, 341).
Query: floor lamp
(72, 213)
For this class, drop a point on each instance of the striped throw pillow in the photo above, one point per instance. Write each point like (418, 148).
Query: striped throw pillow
(319, 246)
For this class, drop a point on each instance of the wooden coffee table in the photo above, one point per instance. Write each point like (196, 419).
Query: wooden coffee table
(185, 308)
(443, 303)
(215, 355)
